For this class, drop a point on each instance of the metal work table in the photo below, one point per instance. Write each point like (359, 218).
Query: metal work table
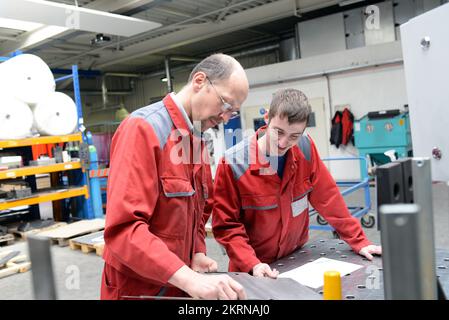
(363, 284)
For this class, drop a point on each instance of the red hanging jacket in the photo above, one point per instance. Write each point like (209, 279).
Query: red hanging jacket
(347, 121)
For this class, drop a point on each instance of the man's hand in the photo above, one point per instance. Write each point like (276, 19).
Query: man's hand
(202, 263)
(264, 270)
(202, 286)
(368, 251)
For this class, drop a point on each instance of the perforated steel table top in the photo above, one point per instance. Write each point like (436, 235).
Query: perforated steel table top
(363, 284)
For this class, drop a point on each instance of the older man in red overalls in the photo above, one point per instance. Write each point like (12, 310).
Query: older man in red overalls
(160, 191)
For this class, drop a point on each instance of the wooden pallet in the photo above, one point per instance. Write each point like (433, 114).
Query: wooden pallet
(7, 239)
(89, 243)
(18, 264)
(62, 235)
(99, 249)
(85, 248)
(24, 234)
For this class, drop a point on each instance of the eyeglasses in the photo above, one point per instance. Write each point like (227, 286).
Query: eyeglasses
(226, 106)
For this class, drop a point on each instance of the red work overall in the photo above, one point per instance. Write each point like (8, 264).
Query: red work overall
(159, 199)
(259, 217)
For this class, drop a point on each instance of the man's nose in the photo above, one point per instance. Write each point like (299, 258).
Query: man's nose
(225, 116)
(283, 142)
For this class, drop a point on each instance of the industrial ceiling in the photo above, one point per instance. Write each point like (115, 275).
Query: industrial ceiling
(189, 29)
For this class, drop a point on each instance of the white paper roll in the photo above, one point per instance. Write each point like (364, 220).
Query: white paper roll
(56, 115)
(26, 77)
(16, 118)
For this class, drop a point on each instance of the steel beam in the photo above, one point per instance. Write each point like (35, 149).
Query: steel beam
(42, 268)
(408, 243)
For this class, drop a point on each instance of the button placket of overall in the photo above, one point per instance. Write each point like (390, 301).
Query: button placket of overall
(197, 170)
(285, 195)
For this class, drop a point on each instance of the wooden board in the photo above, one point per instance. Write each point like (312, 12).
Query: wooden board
(208, 228)
(89, 243)
(18, 264)
(25, 234)
(63, 234)
(7, 239)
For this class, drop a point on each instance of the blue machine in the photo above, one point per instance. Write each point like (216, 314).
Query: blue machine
(232, 132)
(378, 132)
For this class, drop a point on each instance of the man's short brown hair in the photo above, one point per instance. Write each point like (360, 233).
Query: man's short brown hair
(290, 103)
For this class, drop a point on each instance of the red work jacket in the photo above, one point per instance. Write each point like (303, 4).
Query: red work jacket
(159, 199)
(258, 217)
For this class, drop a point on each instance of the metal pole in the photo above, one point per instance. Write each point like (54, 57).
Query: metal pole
(87, 206)
(168, 74)
(404, 278)
(42, 268)
(104, 91)
(422, 195)
(76, 93)
(408, 240)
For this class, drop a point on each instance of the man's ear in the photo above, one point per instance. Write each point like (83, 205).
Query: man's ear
(198, 81)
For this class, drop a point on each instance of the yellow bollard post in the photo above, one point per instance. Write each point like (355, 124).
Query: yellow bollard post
(332, 285)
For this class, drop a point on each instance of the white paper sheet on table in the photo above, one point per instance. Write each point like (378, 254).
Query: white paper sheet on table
(312, 274)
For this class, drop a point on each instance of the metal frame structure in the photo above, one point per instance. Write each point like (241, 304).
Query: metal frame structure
(352, 186)
(87, 204)
(407, 230)
(184, 22)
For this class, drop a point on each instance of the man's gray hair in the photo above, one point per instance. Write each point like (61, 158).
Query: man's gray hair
(217, 67)
(290, 103)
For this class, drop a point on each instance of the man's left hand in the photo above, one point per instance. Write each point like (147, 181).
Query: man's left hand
(202, 263)
(368, 251)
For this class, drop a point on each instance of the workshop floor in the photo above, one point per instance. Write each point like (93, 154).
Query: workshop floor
(68, 263)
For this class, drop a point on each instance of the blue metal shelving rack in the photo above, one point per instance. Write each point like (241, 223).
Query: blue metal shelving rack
(87, 212)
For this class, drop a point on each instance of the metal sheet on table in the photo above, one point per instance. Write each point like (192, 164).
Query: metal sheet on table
(365, 283)
(273, 289)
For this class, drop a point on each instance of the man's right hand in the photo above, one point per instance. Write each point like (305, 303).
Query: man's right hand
(264, 270)
(203, 286)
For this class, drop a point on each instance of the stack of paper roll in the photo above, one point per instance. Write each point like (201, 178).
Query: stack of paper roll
(55, 115)
(26, 77)
(16, 118)
(27, 82)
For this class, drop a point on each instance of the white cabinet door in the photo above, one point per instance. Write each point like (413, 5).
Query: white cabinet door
(425, 46)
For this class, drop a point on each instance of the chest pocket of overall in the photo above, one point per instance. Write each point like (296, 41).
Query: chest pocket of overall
(300, 200)
(259, 203)
(176, 205)
(175, 187)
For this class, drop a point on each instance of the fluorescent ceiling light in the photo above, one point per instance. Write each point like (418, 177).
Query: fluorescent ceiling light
(348, 2)
(18, 25)
(72, 17)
